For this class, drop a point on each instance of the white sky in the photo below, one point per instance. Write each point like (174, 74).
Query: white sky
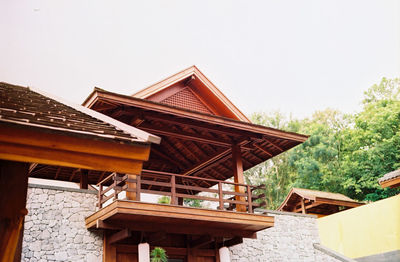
(295, 56)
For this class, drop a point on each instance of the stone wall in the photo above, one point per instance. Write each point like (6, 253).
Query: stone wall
(55, 226)
(291, 239)
(55, 231)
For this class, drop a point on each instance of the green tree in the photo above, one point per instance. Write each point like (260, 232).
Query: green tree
(373, 142)
(344, 153)
(318, 161)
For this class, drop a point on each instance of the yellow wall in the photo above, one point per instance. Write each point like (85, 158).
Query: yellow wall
(363, 231)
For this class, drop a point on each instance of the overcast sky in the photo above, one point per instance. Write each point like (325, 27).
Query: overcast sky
(294, 56)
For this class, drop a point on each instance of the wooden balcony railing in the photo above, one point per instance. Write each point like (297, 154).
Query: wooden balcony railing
(179, 186)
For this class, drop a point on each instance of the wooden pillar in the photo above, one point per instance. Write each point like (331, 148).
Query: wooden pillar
(109, 251)
(13, 191)
(180, 201)
(189, 251)
(303, 209)
(84, 179)
(132, 195)
(238, 176)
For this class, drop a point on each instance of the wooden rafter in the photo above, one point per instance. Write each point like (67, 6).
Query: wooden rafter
(187, 136)
(37, 170)
(206, 164)
(263, 150)
(177, 152)
(32, 167)
(57, 173)
(273, 144)
(165, 156)
(74, 173)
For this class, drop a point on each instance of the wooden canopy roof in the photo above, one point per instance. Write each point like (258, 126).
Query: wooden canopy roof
(36, 127)
(300, 200)
(198, 126)
(391, 179)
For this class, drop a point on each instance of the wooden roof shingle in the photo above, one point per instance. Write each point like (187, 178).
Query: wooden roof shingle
(391, 179)
(28, 107)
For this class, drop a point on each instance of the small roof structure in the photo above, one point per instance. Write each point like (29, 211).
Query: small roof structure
(32, 121)
(300, 200)
(391, 179)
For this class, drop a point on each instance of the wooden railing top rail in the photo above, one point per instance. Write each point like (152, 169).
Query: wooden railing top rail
(106, 179)
(145, 171)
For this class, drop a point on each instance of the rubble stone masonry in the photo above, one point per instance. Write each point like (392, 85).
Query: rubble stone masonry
(55, 229)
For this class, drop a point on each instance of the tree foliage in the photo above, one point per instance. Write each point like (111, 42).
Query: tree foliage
(158, 254)
(164, 200)
(344, 153)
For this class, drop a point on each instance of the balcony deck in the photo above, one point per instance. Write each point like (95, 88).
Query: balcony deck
(142, 216)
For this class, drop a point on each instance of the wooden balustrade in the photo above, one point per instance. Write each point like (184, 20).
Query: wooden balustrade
(180, 186)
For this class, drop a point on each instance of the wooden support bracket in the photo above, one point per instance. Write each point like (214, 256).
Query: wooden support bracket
(121, 235)
(202, 241)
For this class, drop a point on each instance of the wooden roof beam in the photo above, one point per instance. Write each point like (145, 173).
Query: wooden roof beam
(199, 125)
(215, 159)
(188, 136)
(163, 155)
(338, 202)
(32, 167)
(178, 152)
(297, 210)
(274, 144)
(263, 150)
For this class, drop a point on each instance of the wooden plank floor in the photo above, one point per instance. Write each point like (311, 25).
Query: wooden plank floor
(178, 219)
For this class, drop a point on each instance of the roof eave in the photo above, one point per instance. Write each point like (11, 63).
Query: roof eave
(103, 94)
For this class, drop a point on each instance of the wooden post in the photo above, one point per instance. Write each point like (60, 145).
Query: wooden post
(115, 187)
(238, 176)
(109, 251)
(84, 179)
(220, 196)
(13, 191)
(138, 187)
(249, 199)
(173, 191)
(100, 195)
(303, 209)
(131, 195)
(180, 201)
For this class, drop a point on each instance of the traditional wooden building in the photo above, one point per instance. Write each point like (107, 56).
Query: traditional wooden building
(206, 144)
(391, 179)
(306, 201)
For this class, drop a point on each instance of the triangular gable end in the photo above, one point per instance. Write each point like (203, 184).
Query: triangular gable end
(190, 89)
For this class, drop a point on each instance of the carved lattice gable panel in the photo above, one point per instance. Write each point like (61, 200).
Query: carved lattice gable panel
(187, 100)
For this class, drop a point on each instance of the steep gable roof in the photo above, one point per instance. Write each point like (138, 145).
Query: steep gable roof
(191, 89)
